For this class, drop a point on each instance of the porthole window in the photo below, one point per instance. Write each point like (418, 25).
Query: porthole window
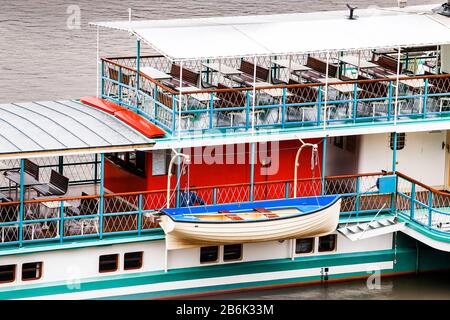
(31, 271)
(232, 252)
(132, 260)
(327, 243)
(7, 273)
(209, 254)
(304, 245)
(108, 263)
(401, 139)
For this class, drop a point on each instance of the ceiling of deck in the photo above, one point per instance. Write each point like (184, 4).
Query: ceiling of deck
(59, 127)
(191, 39)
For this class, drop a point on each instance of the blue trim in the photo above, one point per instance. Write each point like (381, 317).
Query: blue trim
(102, 193)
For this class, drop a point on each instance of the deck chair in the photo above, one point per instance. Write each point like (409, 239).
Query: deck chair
(57, 186)
(31, 168)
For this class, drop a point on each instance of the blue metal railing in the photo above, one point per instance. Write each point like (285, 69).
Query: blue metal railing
(159, 104)
(130, 213)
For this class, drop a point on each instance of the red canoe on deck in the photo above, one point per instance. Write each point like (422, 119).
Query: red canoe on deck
(132, 119)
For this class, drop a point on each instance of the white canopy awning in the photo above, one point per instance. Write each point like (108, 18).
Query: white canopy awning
(209, 38)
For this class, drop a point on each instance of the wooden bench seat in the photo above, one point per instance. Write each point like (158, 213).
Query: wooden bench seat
(319, 69)
(267, 213)
(189, 77)
(387, 66)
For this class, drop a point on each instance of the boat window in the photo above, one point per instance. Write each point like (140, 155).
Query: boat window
(304, 245)
(131, 161)
(108, 263)
(132, 260)
(209, 254)
(160, 162)
(7, 273)
(401, 139)
(31, 271)
(327, 243)
(232, 252)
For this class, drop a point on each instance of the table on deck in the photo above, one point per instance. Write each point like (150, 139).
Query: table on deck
(294, 67)
(358, 62)
(222, 68)
(202, 97)
(14, 177)
(155, 73)
(342, 88)
(51, 205)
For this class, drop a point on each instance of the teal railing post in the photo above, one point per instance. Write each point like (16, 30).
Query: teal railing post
(394, 153)
(324, 160)
(211, 110)
(120, 85)
(286, 189)
(21, 197)
(355, 101)
(247, 109)
(103, 80)
(358, 183)
(425, 98)
(319, 105)
(413, 200)
(214, 195)
(252, 169)
(139, 222)
(179, 180)
(174, 113)
(102, 193)
(155, 100)
(61, 221)
(283, 108)
(430, 208)
(390, 100)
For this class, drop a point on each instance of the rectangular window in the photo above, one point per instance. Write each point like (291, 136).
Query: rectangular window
(7, 273)
(401, 140)
(132, 260)
(31, 271)
(131, 161)
(108, 263)
(209, 254)
(327, 243)
(304, 245)
(232, 252)
(160, 162)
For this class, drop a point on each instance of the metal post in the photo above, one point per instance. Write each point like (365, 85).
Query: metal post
(22, 197)
(211, 109)
(98, 62)
(397, 87)
(326, 91)
(319, 105)
(430, 208)
(138, 68)
(254, 95)
(413, 198)
(102, 193)
(358, 184)
(60, 164)
(283, 109)
(389, 106)
(324, 158)
(355, 101)
(214, 195)
(96, 168)
(180, 106)
(103, 79)
(178, 182)
(61, 221)
(252, 169)
(286, 189)
(425, 97)
(394, 153)
(139, 224)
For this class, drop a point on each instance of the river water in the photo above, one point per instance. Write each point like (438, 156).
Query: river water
(42, 57)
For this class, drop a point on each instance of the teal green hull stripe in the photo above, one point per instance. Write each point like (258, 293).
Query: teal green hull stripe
(204, 272)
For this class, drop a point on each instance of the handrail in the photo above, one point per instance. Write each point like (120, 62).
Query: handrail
(287, 86)
(148, 192)
(436, 191)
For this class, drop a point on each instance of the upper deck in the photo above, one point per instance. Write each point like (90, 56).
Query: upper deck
(257, 74)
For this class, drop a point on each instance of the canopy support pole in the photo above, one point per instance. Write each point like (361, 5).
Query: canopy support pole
(254, 95)
(326, 92)
(98, 62)
(180, 104)
(396, 86)
(138, 68)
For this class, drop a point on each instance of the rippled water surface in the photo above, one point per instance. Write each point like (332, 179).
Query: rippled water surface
(41, 58)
